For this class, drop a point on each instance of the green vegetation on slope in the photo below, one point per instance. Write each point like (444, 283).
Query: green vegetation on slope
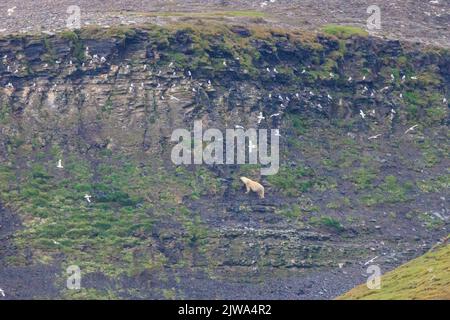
(427, 277)
(344, 31)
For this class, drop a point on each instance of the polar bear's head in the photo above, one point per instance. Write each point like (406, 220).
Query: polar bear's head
(244, 179)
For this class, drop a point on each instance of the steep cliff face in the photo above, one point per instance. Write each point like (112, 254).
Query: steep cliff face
(363, 147)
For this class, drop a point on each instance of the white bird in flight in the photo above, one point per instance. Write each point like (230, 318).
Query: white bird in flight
(370, 261)
(412, 128)
(260, 117)
(11, 10)
(363, 115)
(88, 197)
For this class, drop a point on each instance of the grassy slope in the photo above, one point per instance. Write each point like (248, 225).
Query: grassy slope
(427, 277)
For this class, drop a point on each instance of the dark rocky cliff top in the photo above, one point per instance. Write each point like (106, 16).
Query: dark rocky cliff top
(412, 20)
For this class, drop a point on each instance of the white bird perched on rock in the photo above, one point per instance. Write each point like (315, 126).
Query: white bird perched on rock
(270, 96)
(225, 63)
(170, 64)
(275, 70)
(297, 95)
(102, 59)
(392, 114)
(280, 98)
(331, 74)
(363, 115)
(349, 79)
(189, 73)
(365, 89)
(401, 95)
(311, 93)
(444, 100)
(267, 69)
(375, 136)
(319, 106)
(88, 197)
(10, 85)
(131, 88)
(260, 117)
(364, 78)
(238, 127)
(412, 128)
(403, 78)
(329, 97)
(392, 77)
(59, 165)
(162, 97)
(303, 71)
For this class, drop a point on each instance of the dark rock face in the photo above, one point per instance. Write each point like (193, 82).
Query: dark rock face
(354, 183)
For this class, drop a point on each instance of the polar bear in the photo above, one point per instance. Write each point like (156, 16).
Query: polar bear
(254, 186)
